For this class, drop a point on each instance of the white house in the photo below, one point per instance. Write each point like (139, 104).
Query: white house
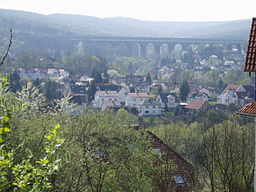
(34, 73)
(57, 73)
(235, 94)
(195, 95)
(169, 100)
(206, 91)
(102, 97)
(149, 108)
(135, 99)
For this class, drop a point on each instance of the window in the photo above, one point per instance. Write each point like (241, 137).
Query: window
(157, 151)
(179, 180)
(146, 112)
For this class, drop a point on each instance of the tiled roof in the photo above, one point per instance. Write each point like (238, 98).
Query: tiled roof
(107, 93)
(250, 63)
(249, 110)
(196, 104)
(233, 87)
(112, 104)
(138, 95)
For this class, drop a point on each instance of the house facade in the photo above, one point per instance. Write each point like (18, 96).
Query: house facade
(104, 97)
(167, 100)
(135, 99)
(236, 94)
(38, 73)
(197, 96)
(149, 108)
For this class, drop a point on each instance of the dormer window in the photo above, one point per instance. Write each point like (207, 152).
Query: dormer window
(179, 180)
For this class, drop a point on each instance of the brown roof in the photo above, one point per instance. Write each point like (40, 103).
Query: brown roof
(249, 109)
(232, 87)
(196, 104)
(138, 95)
(250, 63)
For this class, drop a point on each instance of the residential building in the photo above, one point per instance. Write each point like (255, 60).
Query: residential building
(198, 105)
(121, 91)
(116, 105)
(167, 100)
(79, 94)
(195, 95)
(239, 95)
(135, 80)
(135, 99)
(49, 73)
(149, 108)
(102, 98)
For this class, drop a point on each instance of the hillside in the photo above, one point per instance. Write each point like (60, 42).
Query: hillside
(73, 25)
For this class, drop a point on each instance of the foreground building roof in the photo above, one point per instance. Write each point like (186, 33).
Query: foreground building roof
(250, 63)
(248, 110)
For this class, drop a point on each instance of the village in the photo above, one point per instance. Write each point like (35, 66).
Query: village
(145, 96)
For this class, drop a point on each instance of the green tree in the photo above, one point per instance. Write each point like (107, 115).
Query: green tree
(97, 76)
(15, 84)
(148, 79)
(50, 90)
(91, 91)
(184, 91)
(26, 172)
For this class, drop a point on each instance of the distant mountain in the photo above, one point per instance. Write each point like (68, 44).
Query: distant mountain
(64, 25)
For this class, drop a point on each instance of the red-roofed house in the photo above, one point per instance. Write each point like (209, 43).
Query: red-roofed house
(198, 105)
(235, 94)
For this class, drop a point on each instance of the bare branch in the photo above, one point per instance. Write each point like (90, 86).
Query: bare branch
(8, 49)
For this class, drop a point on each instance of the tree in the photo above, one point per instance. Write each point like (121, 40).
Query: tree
(184, 91)
(148, 79)
(97, 76)
(26, 172)
(106, 155)
(15, 84)
(227, 150)
(50, 90)
(91, 91)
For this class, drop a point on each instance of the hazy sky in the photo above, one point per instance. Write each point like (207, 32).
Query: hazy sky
(160, 10)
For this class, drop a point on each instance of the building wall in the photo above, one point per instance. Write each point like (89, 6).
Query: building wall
(149, 110)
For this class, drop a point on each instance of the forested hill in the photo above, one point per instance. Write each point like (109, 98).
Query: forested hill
(27, 23)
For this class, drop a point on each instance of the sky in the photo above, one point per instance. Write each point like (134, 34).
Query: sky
(152, 10)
